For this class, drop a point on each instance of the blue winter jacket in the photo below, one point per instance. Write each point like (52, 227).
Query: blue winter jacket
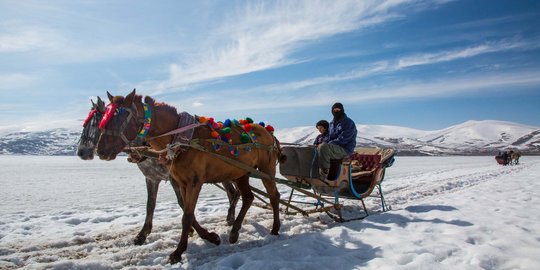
(343, 133)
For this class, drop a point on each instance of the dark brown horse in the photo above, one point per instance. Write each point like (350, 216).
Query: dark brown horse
(153, 171)
(192, 168)
(90, 133)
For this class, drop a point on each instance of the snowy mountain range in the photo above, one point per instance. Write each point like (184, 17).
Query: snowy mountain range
(469, 138)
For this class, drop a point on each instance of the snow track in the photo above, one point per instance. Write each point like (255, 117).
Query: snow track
(434, 199)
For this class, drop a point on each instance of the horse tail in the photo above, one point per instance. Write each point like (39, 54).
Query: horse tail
(281, 157)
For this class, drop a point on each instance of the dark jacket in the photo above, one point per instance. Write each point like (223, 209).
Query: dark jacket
(343, 133)
(321, 138)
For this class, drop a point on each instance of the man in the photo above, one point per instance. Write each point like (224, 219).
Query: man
(322, 126)
(341, 140)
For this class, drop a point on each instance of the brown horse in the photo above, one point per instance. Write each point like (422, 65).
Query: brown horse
(153, 171)
(191, 168)
(514, 157)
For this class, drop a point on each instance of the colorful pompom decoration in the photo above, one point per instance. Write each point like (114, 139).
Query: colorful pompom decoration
(262, 124)
(249, 120)
(215, 134)
(202, 119)
(220, 125)
(269, 128)
(225, 130)
(236, 122)
(247, 127)
(244, 138)
(227, 123)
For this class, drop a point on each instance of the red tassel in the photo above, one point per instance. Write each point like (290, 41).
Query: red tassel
(109, 113)
(92, 112)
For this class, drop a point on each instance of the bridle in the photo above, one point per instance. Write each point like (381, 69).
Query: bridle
(90, 127)
(144, 122)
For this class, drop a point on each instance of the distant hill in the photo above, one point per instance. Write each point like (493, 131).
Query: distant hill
(469, 138)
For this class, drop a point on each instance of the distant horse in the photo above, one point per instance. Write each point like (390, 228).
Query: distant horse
(152, 170)
(514, 157)
(190, 169)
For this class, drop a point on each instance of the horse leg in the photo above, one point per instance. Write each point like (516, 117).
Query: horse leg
(273, 193)
(233, 196)
(190, 194)
(247, 199)
(152, 189)
(178, 194)
(203, 233)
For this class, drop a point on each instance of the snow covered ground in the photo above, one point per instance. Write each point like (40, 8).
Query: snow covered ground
(447, 213)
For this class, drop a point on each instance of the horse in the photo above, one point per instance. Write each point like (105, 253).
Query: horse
(152, 170)
(514, 157)
(90, 133)
(194, 166)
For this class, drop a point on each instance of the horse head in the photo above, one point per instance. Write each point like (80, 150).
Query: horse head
(120, 124)
(90, 132)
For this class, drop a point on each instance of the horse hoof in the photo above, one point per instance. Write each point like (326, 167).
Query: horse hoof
(274, 232)
(139, 240)
(214, 239)
(175, 258)
(233, 237)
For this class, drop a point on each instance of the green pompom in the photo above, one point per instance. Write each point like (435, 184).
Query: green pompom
(249, 120)
(244, 138)
(225, 130)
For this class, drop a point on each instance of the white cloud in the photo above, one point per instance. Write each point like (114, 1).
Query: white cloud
(18, 38)
(197, 104)
(441, 87)
(13, 81)
(262, 36)
(449, 55)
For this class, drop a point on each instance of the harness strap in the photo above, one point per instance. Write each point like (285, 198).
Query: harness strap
(194, 143)
(239, 146)
(178, 130)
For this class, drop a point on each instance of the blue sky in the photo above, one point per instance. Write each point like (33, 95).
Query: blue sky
(419, 64)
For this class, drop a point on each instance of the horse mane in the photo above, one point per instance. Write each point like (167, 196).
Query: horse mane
(162, 105)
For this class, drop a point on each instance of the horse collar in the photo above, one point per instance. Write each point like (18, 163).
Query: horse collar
(147, 121)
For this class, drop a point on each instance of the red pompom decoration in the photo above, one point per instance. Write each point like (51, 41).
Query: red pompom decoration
(228, 136)
(247, 127)
(269, 128)
(202, 119)
(215, 125)
(215, 134)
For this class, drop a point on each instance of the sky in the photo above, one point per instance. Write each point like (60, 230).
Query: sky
(419, 64)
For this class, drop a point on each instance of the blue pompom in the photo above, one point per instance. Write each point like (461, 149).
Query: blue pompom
(227, 123)
(262, 124)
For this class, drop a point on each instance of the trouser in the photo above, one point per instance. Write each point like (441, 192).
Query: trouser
(328, 152)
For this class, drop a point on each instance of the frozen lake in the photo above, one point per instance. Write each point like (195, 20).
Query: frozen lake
(63, 212)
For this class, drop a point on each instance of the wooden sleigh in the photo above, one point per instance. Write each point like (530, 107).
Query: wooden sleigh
(354, 178)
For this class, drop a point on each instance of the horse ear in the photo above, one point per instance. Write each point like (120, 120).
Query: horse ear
(100, 104)
(149, 100)
(129, 98)
(93, 104)
(110, 96)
